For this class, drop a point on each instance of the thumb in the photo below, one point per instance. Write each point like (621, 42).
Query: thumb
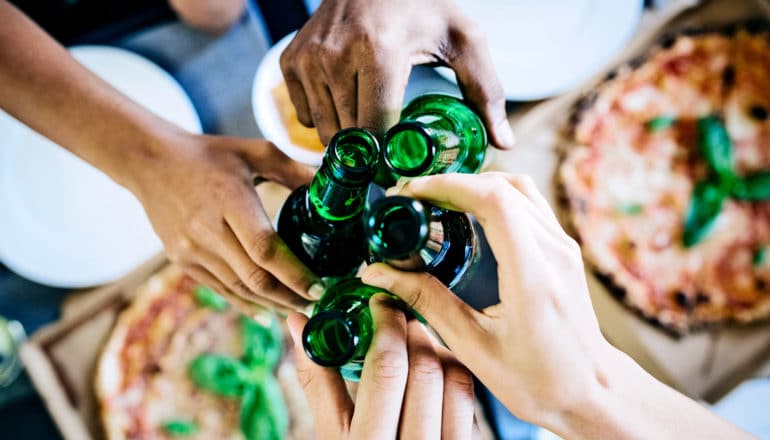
(478, 81)
(456, 322)
(272, 164)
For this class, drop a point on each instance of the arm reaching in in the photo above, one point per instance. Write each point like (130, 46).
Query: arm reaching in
(197, 190)
(349, 65)
(540, 350)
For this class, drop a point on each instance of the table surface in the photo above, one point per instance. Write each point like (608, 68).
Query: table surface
(223, 103)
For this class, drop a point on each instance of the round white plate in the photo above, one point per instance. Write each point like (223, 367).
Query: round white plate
(422, 80)
(265, 111)
(63, 222)
(543, 48)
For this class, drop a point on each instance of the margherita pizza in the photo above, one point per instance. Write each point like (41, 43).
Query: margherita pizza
(181, 364)
(666, 180)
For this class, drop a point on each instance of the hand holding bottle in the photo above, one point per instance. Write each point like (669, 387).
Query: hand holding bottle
(540, 350)
(199, 196)
(197, 190)
(411, 387)
(349, 65)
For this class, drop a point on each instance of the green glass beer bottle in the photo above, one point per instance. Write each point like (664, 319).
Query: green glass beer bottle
(436, 134)
(340, 330)
(322, 223)
(415, 236)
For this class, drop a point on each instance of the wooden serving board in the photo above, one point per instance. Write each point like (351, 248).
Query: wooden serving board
(703, 365)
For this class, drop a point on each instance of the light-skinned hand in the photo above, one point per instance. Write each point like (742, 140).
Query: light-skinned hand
(411, 387)
(540, 350)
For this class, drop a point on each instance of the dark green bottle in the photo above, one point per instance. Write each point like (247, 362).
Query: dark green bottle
(340, 330)
(415, 236)
(322, 223)
(436, 134)
(451, 246)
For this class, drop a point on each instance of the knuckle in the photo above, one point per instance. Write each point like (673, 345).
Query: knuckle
(304, 375)
(305, 60)
(420, 299)
(198, 227)
(470, 34)
(495, 193)
(389, 365)
(457, 376)
(264, 246)
(261, 281)
(425, 368)
(526, 181)
(286, 60)
(239, 287)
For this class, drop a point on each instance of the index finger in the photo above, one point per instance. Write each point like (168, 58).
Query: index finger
(256, 235)
(476, 76)
(324, 388)
(383, 379)
(501, 210)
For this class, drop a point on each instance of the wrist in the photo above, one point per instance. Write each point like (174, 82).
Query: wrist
(138, 155)
(601, 412)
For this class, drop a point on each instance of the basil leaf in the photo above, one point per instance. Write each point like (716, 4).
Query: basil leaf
(753, 187)
(630, 209)
(705, 205)
(759, 256)
(660, 123)
(219, 374)
(180, 428)
(206, 297)
(716, 147)
(263, 412)
(262, 345)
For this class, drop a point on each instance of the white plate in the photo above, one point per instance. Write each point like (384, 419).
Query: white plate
(265, 111)
(63, 222)
(422, 80)
(543, 48)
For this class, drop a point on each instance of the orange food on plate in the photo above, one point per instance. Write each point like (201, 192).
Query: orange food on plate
(299, 135)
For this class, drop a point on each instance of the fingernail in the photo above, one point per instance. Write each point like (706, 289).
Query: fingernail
(308, 311)
(263, 318)
(316, 290)
(505, 133)
(377, 278)
(401, 183)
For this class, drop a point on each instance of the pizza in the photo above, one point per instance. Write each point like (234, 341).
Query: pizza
(180, 363)
(665, 180)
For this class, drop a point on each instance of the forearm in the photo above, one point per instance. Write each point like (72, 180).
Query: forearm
(629, 403)
(47, 89)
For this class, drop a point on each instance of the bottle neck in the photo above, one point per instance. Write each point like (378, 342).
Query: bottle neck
(340, 330)
(404, 233)
(421, 146)
(330, 200)
(338, 190)
(331, 338)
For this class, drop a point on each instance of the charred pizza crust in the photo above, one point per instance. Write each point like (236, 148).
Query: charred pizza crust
(625, 188)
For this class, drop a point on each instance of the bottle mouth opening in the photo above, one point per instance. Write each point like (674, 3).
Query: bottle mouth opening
(409, 149)
(396, 227)
(355, 153)
(329, 340)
